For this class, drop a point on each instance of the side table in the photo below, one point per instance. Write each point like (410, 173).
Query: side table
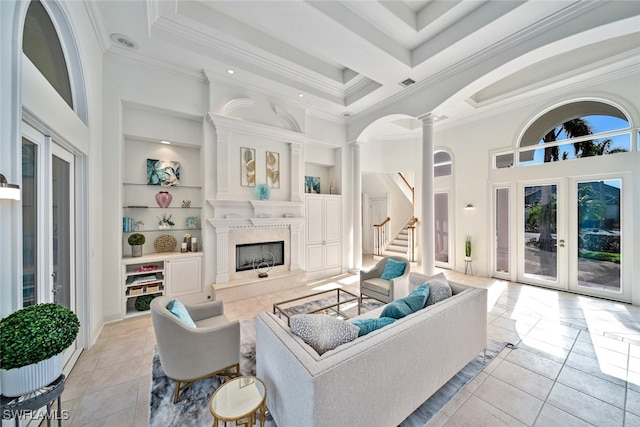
(238, 400)
(19, 407)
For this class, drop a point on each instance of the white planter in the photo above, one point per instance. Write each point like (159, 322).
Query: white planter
(20, 381)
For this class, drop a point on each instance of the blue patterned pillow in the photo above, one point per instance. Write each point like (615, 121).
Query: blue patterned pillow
(180, 311)
(410, 304)
(393, 269)
(369, 325)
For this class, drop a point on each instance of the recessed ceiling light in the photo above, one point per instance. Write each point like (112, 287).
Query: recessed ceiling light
(124, 41)
(230, 71)
(300, 95)
(164, 141)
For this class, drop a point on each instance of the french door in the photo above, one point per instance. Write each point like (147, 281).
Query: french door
(571, 235)
(48, 225)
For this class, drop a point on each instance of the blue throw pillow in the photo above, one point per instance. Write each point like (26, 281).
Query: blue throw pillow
(369, 325)
(410, 304)
(393, 269)
(180, 311)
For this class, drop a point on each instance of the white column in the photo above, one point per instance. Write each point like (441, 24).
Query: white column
(427, 241)
(295, 246)
(222, 160)
(222, 254)
(297, 190)
(356, 170)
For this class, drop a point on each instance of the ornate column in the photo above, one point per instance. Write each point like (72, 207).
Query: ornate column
(296, 177)
(356, 171)
(222, 254)
(222, 160)
(427, 238)
(295, 246)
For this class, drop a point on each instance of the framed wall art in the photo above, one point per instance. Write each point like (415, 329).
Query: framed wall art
(247, 167)
(312, 184)
(273, 169)
(163, 172)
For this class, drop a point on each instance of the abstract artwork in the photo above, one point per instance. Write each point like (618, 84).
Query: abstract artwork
(312, 184)
(273, 169)
(247, 167)
(163, 172)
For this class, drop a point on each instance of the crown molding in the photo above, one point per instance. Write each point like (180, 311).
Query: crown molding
(97, 23)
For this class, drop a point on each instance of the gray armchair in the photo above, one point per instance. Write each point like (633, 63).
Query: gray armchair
(190, 354)
(372, 286)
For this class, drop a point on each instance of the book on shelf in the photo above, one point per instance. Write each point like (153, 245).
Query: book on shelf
(144, 279)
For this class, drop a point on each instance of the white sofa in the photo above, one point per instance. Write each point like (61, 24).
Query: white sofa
(378, 379)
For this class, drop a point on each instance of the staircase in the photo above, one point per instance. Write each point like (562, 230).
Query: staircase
(399, 246)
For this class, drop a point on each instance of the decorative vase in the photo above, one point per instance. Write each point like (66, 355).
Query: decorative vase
(136, 250)
(163, 198)
(27, 379)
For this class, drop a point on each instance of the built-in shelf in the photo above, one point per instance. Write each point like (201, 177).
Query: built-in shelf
(162, 187)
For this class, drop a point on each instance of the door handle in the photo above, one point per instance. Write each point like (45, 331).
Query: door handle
(561, 243)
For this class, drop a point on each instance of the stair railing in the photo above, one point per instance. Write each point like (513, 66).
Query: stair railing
(379, 236)
(411, 250)
(411, 189)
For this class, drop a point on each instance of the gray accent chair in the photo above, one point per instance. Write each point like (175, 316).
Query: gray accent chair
(372, 286)
(190, 354)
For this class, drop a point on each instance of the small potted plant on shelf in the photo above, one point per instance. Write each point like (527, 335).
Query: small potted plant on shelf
(32, 340)
(136, 240)
(164, 222)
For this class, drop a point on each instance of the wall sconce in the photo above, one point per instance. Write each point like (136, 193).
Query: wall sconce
(469, 207)
(8, 191)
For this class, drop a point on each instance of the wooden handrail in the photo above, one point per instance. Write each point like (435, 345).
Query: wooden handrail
(409, 186)
(387, 219)
(413, 222)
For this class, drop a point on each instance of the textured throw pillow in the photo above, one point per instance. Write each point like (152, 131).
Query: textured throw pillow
(323, 332)
(410, 304)
(440, 289)
(393, 269)
(369, 325)
(180, 311)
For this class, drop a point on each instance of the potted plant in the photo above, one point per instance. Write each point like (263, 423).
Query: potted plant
(136, 240)
(165, 222)
(467, 247)
(32, 340)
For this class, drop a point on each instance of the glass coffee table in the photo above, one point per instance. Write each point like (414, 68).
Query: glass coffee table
(330, 302)
(239, 400)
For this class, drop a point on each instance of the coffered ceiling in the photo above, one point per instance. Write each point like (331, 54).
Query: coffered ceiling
(349, 57)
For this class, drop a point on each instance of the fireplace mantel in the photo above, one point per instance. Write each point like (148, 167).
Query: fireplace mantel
(256, 215)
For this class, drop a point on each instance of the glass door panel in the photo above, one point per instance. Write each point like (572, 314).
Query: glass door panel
(598, 235)
(441, 232)
(502, 230)
(29, 223)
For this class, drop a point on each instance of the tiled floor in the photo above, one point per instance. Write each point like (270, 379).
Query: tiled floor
(577, 362)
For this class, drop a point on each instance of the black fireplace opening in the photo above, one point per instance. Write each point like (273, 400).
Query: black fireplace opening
(250, 254)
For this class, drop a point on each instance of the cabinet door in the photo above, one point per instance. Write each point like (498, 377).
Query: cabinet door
(183, 276)
(332, 219)
(315, 221)
(315, 257)
(332, 255)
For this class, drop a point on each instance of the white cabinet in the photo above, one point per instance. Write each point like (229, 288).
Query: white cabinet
(172, 274)
(323, 234)
(183, 276)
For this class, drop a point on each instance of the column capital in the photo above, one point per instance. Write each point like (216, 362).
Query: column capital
(356, 145)
(426, 119)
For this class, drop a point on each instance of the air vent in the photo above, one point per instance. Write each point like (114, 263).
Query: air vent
(407, 82)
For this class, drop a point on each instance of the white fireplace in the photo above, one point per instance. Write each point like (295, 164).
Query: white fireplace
(245, 222)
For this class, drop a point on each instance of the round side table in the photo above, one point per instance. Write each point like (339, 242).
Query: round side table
(239, 400)
(20, 407)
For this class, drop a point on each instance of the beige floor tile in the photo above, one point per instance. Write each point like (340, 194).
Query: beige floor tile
(633, 402)
(518, 404)
(76, 385)
(597, 367)
(583, 406)
(438, 420)
(118, 373)
(550, 416)
(124, 418)
(535, 362)
(593, 386)
(105, 402)
(544, 349)
(528, 381)
(552, 337)
(478, 413)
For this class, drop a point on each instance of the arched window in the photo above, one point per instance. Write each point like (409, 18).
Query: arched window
(572, 131)
(42, 46)
(441, 164)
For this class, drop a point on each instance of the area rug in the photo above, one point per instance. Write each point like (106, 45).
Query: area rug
(192, 409)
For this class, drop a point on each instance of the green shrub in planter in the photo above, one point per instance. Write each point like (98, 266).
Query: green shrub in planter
(36, 333)
(136, 239)
(143, 302)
